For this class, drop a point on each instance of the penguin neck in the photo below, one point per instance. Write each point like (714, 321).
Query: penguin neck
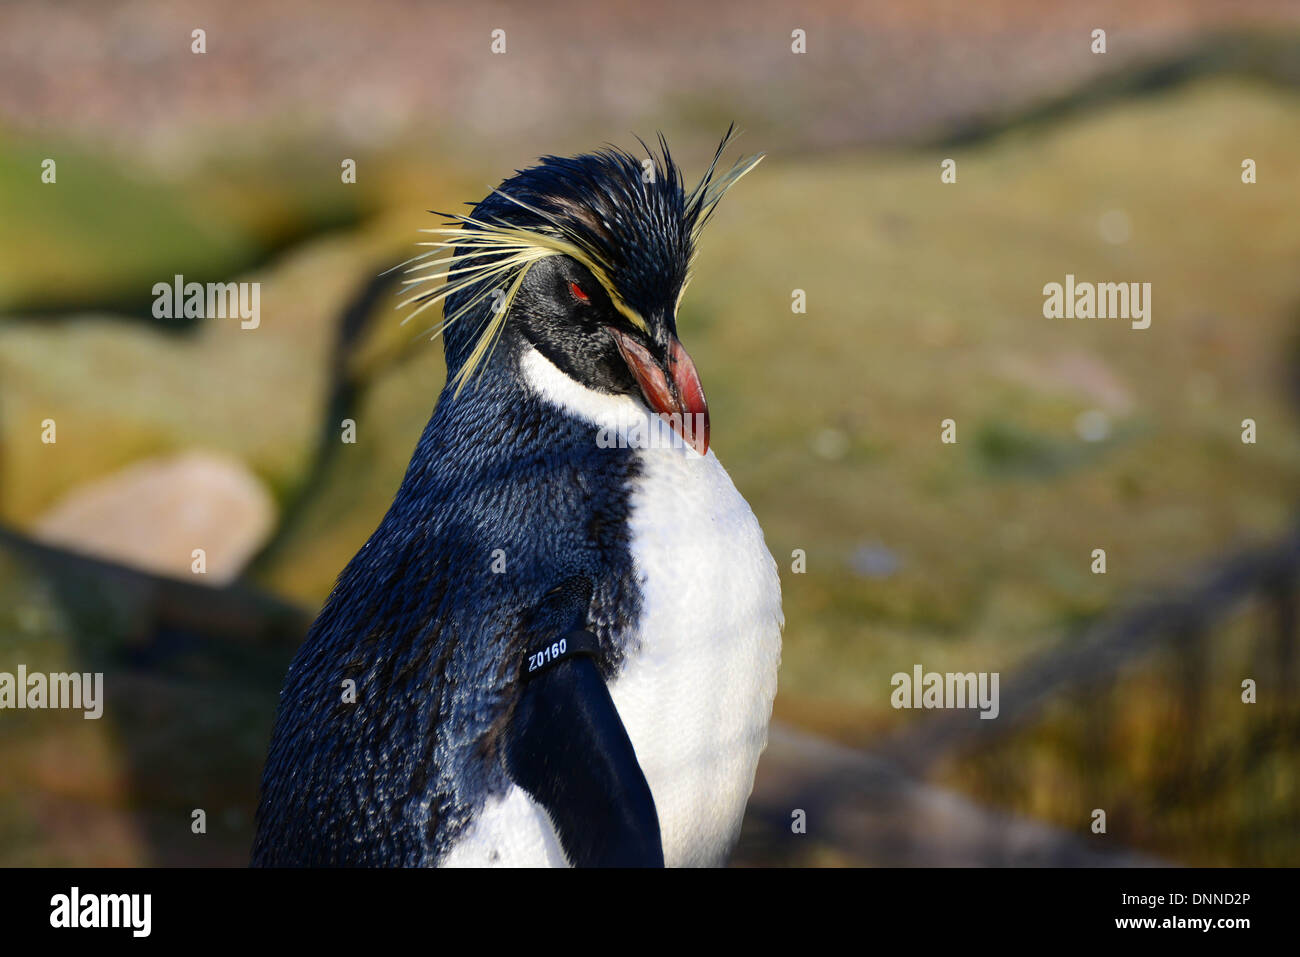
(518, 405)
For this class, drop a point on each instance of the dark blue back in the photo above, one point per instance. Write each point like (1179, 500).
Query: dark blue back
(433, 637)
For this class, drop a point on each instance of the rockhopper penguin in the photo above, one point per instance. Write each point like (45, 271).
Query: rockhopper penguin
(563, 638)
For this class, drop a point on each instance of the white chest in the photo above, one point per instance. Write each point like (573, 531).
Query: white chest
(696, 694)
(696, 688)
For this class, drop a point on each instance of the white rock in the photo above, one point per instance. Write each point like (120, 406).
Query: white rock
(153, 514)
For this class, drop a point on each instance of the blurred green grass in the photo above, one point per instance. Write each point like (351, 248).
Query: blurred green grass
(107, 229)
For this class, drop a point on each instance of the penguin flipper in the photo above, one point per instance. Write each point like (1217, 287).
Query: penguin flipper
(567, 747)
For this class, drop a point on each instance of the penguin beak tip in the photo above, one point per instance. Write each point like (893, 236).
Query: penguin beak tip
(673, 389)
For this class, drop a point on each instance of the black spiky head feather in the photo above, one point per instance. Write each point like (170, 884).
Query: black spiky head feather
(629, 221)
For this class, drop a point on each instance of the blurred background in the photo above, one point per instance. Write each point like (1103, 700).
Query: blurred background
(1119, 692)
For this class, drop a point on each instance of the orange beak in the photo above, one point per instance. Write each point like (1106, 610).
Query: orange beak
(674, 392)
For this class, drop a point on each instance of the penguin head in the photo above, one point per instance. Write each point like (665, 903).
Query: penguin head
(585, 259)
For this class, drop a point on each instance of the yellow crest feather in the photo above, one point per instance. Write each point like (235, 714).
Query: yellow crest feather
(498, 255)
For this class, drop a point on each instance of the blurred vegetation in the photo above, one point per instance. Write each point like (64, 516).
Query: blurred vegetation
(1180, 765)
(186, 717)
(107, 233)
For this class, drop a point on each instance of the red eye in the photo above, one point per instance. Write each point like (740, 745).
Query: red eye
(578, 294)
